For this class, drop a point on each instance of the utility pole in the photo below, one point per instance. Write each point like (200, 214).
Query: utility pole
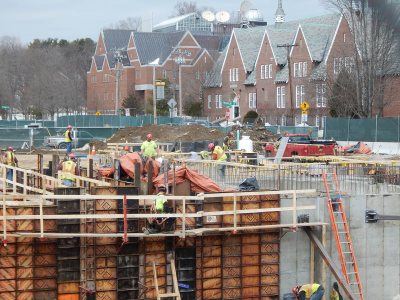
(118, 72)
(179, 61)
(288, 49)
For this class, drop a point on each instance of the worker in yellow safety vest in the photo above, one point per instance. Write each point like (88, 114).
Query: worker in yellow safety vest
(159, 206)
(218, 154)
(10, 160)
(335, 294)
(312, 291)
(69, 170)
(149, 147)
(68, 139)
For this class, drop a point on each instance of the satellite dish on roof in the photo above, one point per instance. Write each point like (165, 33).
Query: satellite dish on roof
(208, 15)
(222, 16)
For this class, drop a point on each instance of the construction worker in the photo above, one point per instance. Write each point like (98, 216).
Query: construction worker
(69, 170)
(218, 154)
(335, 294)
(159, 206)
(312, 291)
(228, 142)
(68, 139)
(10, 160)
(149, 147)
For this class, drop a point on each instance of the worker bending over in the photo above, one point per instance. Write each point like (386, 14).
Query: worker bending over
(218, 154)
(149, 147)
(69, 170)
(160, 206)
(312, 291)
(335, 294)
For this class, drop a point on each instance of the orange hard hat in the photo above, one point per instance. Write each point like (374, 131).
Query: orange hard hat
(149, 136)
(295, 290)
(211, 146)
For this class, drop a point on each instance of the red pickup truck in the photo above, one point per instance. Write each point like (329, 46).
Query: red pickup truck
(303, 145)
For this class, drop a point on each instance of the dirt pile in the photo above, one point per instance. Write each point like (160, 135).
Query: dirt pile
(166, 133)
(259, 135)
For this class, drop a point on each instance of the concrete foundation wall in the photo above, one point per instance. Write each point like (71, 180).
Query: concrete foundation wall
(377, 246)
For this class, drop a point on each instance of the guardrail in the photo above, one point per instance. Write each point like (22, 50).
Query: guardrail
(233, 225)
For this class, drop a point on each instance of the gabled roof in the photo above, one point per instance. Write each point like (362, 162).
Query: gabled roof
(99, 60)
(214, 78)
(153, 45)
(282, 75)
(116, 39)
(249, 42)
(112, 61)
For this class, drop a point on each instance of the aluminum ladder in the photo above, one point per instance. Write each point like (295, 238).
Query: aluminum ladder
(175, 294)
(341, 232)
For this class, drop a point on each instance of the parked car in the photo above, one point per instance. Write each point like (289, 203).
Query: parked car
(79, 139)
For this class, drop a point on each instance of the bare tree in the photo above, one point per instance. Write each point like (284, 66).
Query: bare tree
(132, 23)
(373, 24)
(185, 7)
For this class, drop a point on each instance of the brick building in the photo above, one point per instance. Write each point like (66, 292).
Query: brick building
(253, 71)
(134, 56)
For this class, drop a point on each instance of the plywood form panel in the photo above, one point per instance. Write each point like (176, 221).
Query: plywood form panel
(155, 251)
(242, 266)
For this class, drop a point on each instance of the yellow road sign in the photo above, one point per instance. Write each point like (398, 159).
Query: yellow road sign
(304, 106)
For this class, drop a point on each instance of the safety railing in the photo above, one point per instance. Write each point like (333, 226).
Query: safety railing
(357, 177)
(25, 181)
(234, 223)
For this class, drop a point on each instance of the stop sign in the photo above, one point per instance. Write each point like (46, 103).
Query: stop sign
(227, 114)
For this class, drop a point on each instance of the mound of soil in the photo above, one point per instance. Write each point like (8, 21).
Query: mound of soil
(166, 133)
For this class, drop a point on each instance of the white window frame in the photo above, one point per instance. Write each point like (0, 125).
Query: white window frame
(295, 73)
(300, 72)
(252, 100)
(336, 65)
(305, 67)
(280, 97)
(94, 79)
(283, 120)
(220, 101)
(266, 71)
(317, 121)
(263, 71)
(209, 101)
(300, 94)
(216, 101)
(234, 74)
(320, 96)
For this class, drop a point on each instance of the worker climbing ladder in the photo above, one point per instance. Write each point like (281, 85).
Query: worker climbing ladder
(175, 294)
(340, 229)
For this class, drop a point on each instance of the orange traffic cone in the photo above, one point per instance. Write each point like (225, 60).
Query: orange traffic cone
(93, 150)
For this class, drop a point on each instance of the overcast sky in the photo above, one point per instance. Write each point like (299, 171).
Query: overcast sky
(72, 19)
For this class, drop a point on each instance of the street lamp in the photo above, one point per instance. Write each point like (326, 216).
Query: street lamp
(154, 64)
(180, 60)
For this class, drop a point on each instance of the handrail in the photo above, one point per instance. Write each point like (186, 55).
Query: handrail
(47, 182)
(184, 231)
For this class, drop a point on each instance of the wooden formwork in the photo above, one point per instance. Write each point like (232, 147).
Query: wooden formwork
(27, 266)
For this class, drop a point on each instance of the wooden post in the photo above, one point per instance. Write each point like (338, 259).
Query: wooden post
(150, 179)
(183, 218)
(41, 216)
(54, 166)
(4, 204)
(90, 168)
(14, 181)
(294, 204)
(25, 183)
(312, 257)
(234, 213)
(116, 169)
(155, 280)
(137, 175)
